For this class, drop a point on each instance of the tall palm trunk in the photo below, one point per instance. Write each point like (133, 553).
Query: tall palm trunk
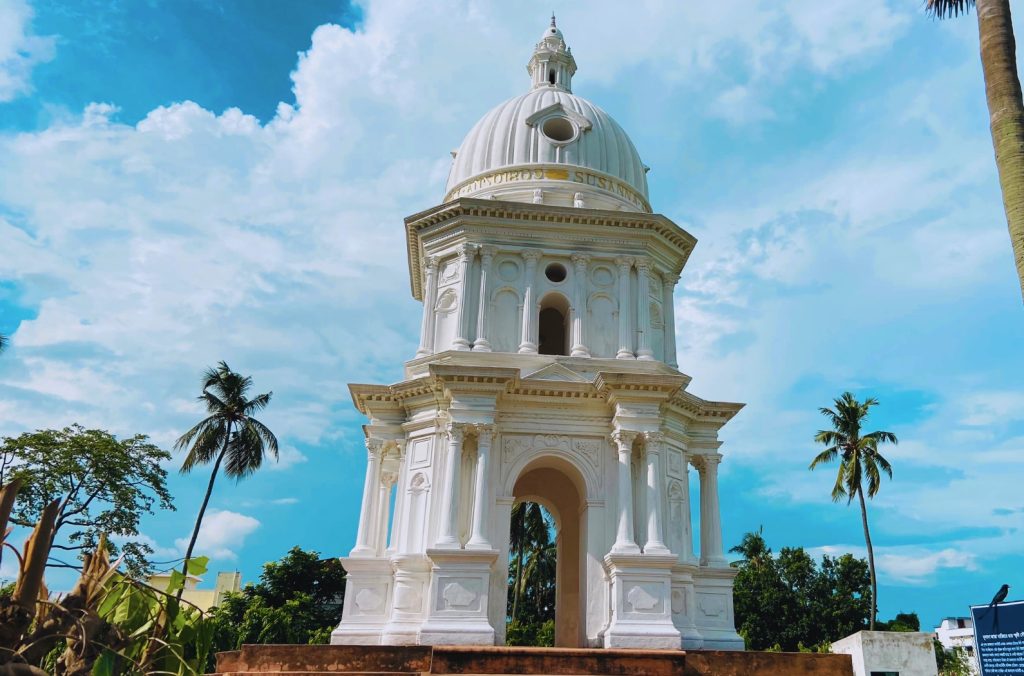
(202, 510)
(871, 558)
(517, 592)
(1006, 114)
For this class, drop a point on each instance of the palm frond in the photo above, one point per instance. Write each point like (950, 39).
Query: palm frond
(942, 9)
(826, 456)
(245, 452)
(257, 404)
(268, 438)
(186, 438)
(839, 491)
(881, 437)
(208, 443)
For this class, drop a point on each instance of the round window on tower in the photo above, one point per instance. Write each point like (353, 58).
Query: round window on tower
(559, 129)
(555, 272)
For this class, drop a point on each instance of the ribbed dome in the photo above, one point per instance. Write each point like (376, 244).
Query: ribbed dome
(550, 146)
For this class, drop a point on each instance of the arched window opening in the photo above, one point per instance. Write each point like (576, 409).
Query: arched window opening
(553, 325)
(551, 77)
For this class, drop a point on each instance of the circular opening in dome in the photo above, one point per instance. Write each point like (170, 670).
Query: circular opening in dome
(558, 129)
(555, 272)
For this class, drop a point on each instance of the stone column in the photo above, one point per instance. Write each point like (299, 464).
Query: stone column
(643, 317)
(668, 303)
(481, 343)
(448, 537)
(652, 449)
(624, 540)
(686, 555)
(527, 345)
(364, 546)
(625, 333)
(429, 300)
(461, 342)
(400, 479)
(579, 262)
(387, 480)
(711, 553)
(481, 501)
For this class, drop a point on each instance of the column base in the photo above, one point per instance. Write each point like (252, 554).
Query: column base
(645, 355)
(624, 354)
(714, 616)
(367, 600)
(527, 348)
(408, 607)
(481, 346)
(458, 598)
(460, 344)
(641, 602)
(579, 351)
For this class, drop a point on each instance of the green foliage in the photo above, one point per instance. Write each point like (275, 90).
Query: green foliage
(902, 622)
(955, 662)
(531, 573)
(297, 600)
(790, 603)
(158, 633)
(104, 485)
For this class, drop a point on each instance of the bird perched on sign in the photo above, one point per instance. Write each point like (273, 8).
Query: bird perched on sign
(1000, 595)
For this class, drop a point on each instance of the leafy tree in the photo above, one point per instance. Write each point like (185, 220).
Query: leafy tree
(955, 662)
(858, 459)
(788, 602)
(297, 600)
(902, 622)
(531, 572)
(229, 433)
(104, 485)
(1005, 108)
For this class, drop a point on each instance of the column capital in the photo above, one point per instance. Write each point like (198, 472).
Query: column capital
(455, 431)
(580, 259)
(669, 279)
(432, 262)
(485, 431)
(374, 447)
(623, 440)
(531, 256)
(706, 461)
(467, 250)
(487, 251)
(388, 478)
(643, 264)
(654, 440)
(624, 262)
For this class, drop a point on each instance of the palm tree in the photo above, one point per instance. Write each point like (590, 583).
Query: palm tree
(858, 458)
(229, 433)
(3, 342)
(529, 529)
(1005, 108)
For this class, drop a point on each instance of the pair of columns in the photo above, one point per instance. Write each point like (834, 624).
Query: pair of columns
(643, 320)
(466, 253)
(373, 519)
(710, 519)
(448, 537)
(527, 344)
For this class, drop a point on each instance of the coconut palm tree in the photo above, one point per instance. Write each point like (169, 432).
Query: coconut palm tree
(1005, 108)
(229, 435)
(858, 459)
(529, 531)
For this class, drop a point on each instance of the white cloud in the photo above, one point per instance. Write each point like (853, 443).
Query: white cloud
(221, 534)
(285, 501)
(288, 457)
(906, 565)
(20, 50)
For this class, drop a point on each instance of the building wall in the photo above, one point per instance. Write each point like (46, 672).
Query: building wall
(904, 653)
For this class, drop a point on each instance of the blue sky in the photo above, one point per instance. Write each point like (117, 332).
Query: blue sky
(184, 182)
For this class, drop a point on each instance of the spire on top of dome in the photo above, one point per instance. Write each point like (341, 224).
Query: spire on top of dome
(552, 63)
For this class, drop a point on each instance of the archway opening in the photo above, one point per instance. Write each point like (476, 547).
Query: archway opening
(547, 609)
(553, 325)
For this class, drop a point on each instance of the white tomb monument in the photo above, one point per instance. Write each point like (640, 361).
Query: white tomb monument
(546, 372)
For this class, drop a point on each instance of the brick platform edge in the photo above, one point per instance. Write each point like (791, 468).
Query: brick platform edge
(294, 660)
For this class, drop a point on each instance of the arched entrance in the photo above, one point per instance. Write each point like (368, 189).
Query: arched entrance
(556, 485)
(553, 325)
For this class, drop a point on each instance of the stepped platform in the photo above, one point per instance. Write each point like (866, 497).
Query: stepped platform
(302, 660)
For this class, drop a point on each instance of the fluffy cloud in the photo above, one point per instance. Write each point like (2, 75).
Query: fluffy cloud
(221, 535)
(907, 565)
(20, 50)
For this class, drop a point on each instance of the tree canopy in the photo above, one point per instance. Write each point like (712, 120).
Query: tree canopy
(297, 600)
(104, 485)
(789, 602)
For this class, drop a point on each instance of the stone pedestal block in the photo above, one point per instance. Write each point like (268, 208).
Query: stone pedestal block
(457, 601)
(641, 602)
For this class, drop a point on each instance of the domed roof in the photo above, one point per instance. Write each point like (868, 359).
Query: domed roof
(550, 146)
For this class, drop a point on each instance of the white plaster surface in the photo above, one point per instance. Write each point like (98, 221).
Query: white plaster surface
(905, 653)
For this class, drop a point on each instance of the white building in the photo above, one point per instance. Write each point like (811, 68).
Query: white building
(885, 653)
(547, 372)
(958, 632)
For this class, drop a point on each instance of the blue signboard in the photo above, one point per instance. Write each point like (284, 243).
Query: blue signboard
(999, 637)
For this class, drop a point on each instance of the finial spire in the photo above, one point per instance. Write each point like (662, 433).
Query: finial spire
(552, 64)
